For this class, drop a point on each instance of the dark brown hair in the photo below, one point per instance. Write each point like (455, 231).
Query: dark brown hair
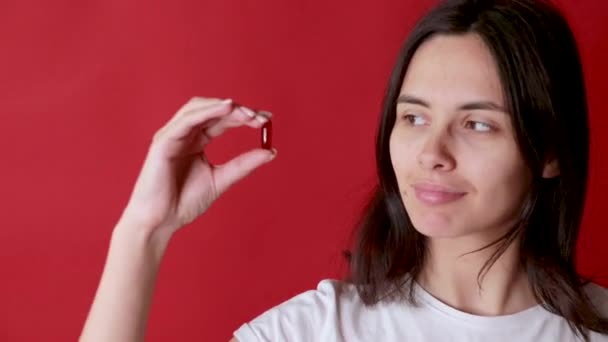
(542, 79)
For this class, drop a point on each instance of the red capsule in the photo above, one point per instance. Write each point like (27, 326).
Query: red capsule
(267, 135)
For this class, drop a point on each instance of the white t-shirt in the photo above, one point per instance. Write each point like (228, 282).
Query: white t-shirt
(335, 312)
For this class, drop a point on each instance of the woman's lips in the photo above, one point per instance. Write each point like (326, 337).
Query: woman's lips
(434, 194)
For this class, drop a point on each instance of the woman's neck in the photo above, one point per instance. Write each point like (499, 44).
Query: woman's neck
(452, 277)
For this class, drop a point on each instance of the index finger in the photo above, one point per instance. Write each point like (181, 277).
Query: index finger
(185, 123)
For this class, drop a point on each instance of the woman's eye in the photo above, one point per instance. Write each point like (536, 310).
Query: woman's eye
(414, 120)
(478, 126)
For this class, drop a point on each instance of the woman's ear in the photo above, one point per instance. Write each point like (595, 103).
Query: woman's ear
(551, 168)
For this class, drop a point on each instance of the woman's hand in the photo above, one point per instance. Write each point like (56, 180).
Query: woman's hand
(177, 183)
(175, 186)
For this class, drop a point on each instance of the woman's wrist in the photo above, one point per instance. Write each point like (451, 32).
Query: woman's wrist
(142, 237)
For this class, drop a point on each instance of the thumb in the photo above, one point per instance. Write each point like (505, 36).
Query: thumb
(240, 166)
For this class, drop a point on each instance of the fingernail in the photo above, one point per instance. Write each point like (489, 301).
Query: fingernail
(273, 153)
(247, 111)
(226, 101)
(261, 118)
(265, 114)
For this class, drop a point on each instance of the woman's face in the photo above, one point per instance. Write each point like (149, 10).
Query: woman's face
(453, 148)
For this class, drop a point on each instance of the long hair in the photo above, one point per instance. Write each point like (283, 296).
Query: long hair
(542, 79)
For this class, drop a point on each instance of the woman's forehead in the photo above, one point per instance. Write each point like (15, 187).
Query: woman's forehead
(453, 69)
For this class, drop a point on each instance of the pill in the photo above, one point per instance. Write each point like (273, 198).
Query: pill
(267, 135)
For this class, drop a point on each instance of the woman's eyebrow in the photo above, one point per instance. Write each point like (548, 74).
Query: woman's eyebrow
(478, 105)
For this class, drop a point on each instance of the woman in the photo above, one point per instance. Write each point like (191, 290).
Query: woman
(482, 158)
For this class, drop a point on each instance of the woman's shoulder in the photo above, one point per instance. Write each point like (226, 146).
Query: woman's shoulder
(598, 295)
(337, 288)
(329, 296)
(328, 291)
(310, 315)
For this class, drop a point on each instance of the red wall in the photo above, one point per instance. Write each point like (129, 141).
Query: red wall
(85, 84)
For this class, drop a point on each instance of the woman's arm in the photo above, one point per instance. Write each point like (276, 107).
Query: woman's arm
(120, 309)
(176, 185)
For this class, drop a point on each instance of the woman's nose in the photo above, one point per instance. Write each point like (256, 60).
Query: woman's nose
(435, 153)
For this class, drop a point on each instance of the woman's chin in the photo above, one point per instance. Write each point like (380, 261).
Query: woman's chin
(437, 227)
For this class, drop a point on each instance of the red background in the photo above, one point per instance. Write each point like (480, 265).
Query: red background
(85, 84)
